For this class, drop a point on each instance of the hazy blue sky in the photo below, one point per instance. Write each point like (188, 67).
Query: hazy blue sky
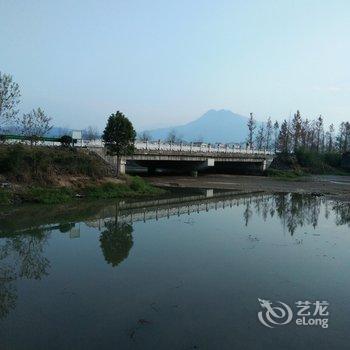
(167, 62)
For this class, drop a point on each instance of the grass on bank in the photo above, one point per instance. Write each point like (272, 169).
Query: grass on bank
(45, 165)
(284, 174)
(133, 187)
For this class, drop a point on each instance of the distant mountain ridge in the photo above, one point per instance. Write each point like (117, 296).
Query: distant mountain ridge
(213, 126)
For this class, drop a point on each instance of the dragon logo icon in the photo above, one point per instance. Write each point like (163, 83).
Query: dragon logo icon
(274, 315)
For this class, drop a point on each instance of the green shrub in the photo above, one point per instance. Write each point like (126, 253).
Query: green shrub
(48, 195)
(107, 190)
(66, 141)
(5, 197)
(283, 174)
(332, 159)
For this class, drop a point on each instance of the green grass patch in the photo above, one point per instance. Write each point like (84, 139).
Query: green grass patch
(48, 195)
(5, 197)
(134, 187)
(141, 186)
(284, 174)
(107, 190)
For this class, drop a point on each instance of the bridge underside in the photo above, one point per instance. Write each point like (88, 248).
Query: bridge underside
(178, 166)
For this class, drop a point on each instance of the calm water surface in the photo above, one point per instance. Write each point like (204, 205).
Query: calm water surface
(180, 273)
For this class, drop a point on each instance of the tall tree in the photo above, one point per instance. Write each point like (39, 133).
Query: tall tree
(296, 130)
(251, 128)
(268, 134)
(330, 138)
(145, 136)
(260, 137)
(119, 137)
(9, 99)
(91, 133)
(35, 125)
(173, 137)
(284, 138)
(319, 133)
(276, 129)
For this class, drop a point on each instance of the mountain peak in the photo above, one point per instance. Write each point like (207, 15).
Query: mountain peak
(213, 126)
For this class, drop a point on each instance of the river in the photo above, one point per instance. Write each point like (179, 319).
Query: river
(194, 270)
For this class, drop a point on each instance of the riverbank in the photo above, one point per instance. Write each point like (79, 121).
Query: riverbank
(332, 186)
(107, 188)
(53, 175)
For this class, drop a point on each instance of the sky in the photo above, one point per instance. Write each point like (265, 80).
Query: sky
(165, 63)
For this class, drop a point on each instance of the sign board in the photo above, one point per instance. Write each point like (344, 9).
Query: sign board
(76, 135)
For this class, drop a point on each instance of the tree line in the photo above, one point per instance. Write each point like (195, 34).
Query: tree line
(34, 124)
(297, 133)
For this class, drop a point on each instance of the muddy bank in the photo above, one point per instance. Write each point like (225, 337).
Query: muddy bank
(334, 187)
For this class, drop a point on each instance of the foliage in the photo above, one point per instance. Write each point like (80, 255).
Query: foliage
(66, 141)
(173, 137)
(9, 99)
(141, 186)
(251, 127)
(35, 124)
(45, 165)
(91, 133)
(319, 163)
(119, 135)
(283, 174)
(5, 197)
(134, 187)
(48, 195)
(145, 136)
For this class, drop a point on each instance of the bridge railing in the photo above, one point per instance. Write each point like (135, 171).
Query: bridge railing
(154, 145)
(193, 147)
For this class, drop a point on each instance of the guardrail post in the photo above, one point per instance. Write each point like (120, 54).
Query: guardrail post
(191, 147)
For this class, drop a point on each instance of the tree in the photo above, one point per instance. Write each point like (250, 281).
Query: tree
(296, 130)
(119, 137)
(251, 127)
(319, 133)
(330, 138)
(145, 136)
(91, 133)
(260, 137)
(173, 137)
(268, 134)
(276, 129)
(66, 141)
(35, 125)
(9, 99)
(284, 138)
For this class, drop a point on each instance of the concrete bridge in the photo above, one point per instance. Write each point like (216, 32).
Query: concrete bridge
(190, 157)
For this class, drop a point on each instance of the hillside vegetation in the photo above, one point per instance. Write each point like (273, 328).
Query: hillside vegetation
(58, 175)
(304, 162)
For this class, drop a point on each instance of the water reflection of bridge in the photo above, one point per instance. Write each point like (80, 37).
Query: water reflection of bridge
(130, 212)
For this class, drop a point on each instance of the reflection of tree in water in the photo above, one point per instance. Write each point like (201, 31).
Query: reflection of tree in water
(116, 242)
(342, 213)
(20, 257)
(295, 210)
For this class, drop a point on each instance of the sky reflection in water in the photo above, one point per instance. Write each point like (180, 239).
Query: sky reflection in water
(180, 273)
